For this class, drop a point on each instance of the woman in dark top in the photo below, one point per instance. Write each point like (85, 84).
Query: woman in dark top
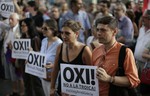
(32, 83)
(70, 52)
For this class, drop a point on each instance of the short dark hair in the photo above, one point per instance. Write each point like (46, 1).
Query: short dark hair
(72, 2)
(33, 4)
(108, 20)
(128, 4)
(106, 2)
(52, 24)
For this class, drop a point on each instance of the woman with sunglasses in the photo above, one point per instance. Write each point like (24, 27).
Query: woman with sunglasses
(33, 85)
(70, 52)
(49, 46)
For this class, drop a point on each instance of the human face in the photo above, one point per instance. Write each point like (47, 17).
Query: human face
(140, 5)
(118, 11)
(103, 7)
(132, 5)
(146, 20)
(68, 35)
(46, 30)
(24, 27)
(13, 21)
(29, 8)
(79, 4)
(55, 13)
(104, 34)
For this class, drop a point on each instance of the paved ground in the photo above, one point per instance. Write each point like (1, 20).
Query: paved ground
(4, 87)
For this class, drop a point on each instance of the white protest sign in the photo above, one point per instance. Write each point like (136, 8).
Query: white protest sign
(35, 64)
(21, 48)
(79, 80)
(6, 9)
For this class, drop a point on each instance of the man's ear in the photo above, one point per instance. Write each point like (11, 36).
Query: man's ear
(116, 30)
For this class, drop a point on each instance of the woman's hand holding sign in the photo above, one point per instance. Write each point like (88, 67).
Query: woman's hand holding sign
(49, 65)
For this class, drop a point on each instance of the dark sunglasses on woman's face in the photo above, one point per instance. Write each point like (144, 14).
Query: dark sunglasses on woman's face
(45, 28)
(65, 32)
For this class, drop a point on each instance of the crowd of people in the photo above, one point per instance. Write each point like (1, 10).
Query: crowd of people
(77, 33)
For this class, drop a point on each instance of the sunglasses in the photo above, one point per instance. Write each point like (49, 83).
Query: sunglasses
(65, 32)
(45, 28)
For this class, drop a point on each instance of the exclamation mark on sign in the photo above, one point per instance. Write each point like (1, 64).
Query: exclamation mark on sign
(27, 45)
(43, 62)
(92, 77)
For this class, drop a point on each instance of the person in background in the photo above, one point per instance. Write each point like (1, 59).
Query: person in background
(64, 8)
(37, 16)
(130, 5)
(75, 13)
(33, 85)
(92, 41)
(70, 51)
(55, 14)
(143, 39)
(106, 56)
(104, 9)
(138, 14)
(49, 46)
(11, 32)
(126, 33)
(91, 9)
(145, 87)
(131, 15)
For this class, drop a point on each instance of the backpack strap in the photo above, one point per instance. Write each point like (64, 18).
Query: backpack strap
(118, 90)
(122, 55)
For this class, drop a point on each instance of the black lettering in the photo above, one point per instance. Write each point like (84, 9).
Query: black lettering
(79, 76)
(3, 7)
(71, 76)
(40, 61)
(16, 45)
(36, 59)
(92, 77)
(43, 61)
(11, 8)
(87, 76)
(21, 45)
(27, 45)
(30, 58)
(7, 7)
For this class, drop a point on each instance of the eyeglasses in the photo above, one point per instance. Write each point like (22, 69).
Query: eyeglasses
(146, 17)
(65, 32)
(117, 9)
(45, 28)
